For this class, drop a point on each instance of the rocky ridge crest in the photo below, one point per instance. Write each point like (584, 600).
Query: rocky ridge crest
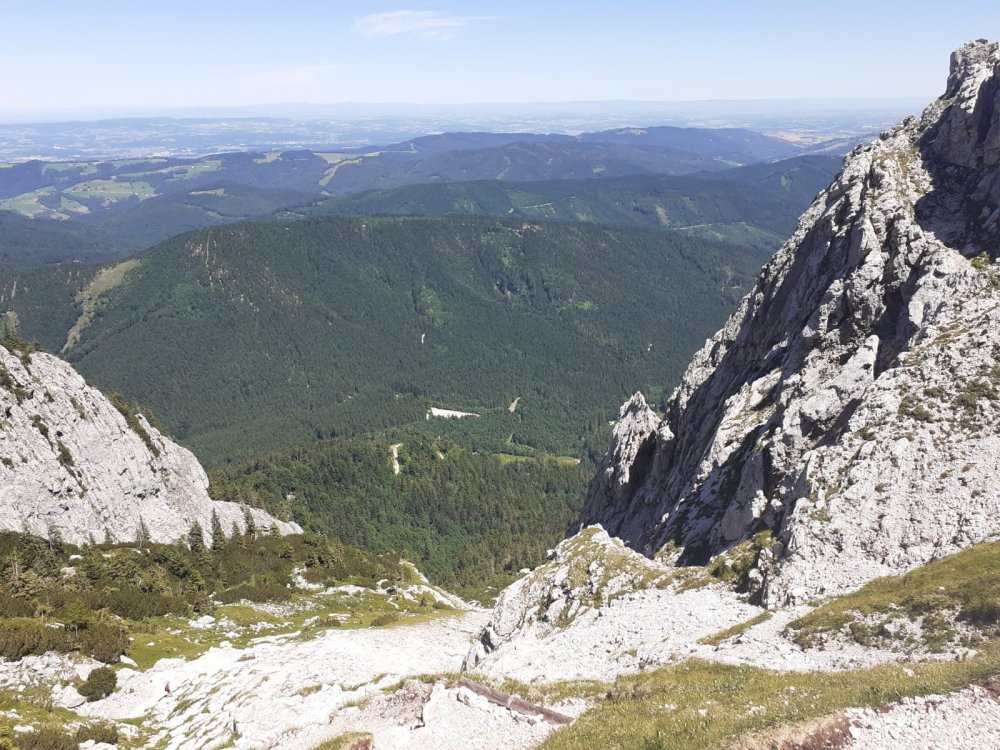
(849, 406)
(70, 464)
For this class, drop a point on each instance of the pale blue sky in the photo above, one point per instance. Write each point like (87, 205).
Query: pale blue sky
(112, 53)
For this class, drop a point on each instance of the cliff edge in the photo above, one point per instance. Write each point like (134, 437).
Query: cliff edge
(73, 465)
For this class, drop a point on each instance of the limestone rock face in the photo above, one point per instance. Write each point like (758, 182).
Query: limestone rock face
(70, 464)
(623, 468)
(583, 573)
(851, 404)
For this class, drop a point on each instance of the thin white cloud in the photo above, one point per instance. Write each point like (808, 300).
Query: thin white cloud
(428, 24)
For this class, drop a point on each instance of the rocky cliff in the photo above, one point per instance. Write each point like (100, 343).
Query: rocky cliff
(72, 464)
(850, 406)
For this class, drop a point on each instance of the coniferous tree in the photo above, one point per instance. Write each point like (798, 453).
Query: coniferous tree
(196, 538)
(55, 539)
(249, 524)
(218, 535)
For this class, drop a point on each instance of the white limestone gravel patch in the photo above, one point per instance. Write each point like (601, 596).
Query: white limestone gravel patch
(968, 718)
(765, 645)
(272, 694)
(425, 717)
(653, 627)
(640, 629)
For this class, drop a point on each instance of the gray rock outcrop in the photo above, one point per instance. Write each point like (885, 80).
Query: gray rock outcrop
(850, 406)
(70, 464)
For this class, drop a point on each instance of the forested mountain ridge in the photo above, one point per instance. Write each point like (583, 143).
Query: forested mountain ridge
(276, 333)
(35, 242)
(96, 210)
(755, 205)
(726, 144)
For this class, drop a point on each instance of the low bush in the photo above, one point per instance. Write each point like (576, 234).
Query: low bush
(255, 592)
(46, 738)
(20, 638)
(104, 642)
(100, 732)
(100, 683)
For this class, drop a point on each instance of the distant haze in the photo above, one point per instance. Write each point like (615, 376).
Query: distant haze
(82, 134)
(117, 57)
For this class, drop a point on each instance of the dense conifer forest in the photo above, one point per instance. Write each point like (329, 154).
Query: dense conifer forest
(253, 337)
(466, 519)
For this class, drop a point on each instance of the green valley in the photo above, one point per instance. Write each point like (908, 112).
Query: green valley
(279, 333)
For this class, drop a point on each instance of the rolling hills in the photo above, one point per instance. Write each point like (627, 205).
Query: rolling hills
(755, 205)
(100, 210)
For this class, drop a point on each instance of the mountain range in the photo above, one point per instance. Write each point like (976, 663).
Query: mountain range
(107, 209)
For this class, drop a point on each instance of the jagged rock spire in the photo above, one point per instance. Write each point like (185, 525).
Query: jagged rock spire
(849, 405)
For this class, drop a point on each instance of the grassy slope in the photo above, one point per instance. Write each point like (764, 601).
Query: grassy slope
(961, 588)
(698, 704)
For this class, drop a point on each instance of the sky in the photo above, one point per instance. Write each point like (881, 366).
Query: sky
(140, 54)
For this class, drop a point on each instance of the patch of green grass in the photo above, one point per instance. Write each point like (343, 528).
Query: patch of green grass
(105, 280)
(31, 204)
(723, 635)
(345, 741)
(308, 615)
(111, 191)
(964, 583)
(508, 458)
(244, 615)
(700, 704)
(551, 692)
(190, 171)
(732, 566)
(186, 644)
(54, 728)
(34, 705)
(386, 618)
